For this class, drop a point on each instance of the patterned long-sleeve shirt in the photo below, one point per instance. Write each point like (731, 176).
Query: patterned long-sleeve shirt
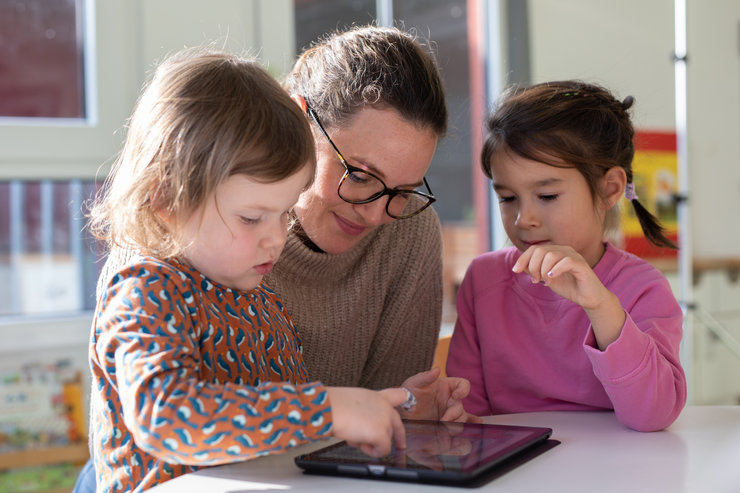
(188, 373)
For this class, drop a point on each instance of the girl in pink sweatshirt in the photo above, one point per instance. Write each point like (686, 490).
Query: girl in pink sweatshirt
(564, 320)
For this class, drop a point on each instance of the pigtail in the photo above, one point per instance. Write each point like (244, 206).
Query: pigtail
(651, 227)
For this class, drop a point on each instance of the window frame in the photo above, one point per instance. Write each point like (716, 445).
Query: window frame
(59, 148)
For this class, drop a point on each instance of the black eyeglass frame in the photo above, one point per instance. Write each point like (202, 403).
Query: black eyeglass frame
(391, 192)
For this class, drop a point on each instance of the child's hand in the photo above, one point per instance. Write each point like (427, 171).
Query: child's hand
(438, 399)
(568, 274)
(564, 271)
(367, 419)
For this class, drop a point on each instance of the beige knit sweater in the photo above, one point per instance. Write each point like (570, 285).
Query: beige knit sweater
(371, 316)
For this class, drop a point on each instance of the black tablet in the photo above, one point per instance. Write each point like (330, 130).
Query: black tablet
(436, 452)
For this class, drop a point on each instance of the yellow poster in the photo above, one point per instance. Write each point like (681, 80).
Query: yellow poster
(655, 171)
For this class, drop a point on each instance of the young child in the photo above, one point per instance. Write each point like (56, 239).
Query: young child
(193, 361)
(564, 320)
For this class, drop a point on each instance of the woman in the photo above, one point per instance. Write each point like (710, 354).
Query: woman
(361, 273)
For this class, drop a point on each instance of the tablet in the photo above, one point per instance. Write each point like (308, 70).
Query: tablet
(436, 452)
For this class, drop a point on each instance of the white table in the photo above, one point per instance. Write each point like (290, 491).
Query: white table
(699, 453)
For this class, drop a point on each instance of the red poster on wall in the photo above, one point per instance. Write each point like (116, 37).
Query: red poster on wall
(655, 168)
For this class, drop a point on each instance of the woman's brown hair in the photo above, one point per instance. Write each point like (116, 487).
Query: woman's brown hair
(371, 66)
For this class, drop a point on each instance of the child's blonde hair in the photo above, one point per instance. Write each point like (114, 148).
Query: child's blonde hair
(204, 116)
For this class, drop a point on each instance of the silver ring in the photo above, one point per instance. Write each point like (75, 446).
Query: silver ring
(410, 402)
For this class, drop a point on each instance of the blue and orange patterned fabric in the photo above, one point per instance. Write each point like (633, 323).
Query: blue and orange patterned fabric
(188, 373)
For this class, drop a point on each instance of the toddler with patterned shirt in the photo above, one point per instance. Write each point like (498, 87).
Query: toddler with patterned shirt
(194, 361)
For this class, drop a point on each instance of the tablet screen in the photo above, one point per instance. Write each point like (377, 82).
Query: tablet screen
(441, 450)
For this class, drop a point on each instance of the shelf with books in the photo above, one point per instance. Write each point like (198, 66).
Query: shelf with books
(43, 443)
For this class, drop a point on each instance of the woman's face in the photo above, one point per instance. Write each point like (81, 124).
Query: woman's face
(379, 141)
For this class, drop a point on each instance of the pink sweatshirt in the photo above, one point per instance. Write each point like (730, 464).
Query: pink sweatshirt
(526, 349)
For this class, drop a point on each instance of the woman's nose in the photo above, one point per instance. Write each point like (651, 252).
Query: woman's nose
(374, 212)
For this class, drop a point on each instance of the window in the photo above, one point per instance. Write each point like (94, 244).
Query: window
(41, 59)
(316, 17)
(47, 262)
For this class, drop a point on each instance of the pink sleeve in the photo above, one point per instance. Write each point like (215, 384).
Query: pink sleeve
(464, 357)
(641, 371)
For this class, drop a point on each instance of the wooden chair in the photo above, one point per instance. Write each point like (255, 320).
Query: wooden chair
(440, 354)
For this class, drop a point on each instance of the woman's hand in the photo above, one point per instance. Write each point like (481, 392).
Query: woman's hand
(367, 419)
(438, 399)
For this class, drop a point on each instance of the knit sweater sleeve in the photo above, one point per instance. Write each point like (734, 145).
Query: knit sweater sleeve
(641, 371)
(146, 350)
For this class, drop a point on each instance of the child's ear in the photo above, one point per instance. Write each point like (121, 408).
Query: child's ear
(155, 199)
(614, 182)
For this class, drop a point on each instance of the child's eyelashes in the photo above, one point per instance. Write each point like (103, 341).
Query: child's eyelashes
(249, 220)
(543, 197)
(254, 220)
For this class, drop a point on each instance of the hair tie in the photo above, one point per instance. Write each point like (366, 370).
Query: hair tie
(629, 192)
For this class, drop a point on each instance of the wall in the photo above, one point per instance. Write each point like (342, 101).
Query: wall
(624, 45)
(628, 46)
(714, 126)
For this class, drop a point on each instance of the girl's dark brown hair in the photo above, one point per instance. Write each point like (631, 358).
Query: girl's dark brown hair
(569, 123)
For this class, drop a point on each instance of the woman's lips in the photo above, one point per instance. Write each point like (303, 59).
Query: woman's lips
(264, 269)
(348, 227)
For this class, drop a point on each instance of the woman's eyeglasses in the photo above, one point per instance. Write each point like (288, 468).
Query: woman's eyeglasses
(358, 186)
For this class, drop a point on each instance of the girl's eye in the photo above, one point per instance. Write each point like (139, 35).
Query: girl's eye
(548, 198)
(503, 199)
(249, 220)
